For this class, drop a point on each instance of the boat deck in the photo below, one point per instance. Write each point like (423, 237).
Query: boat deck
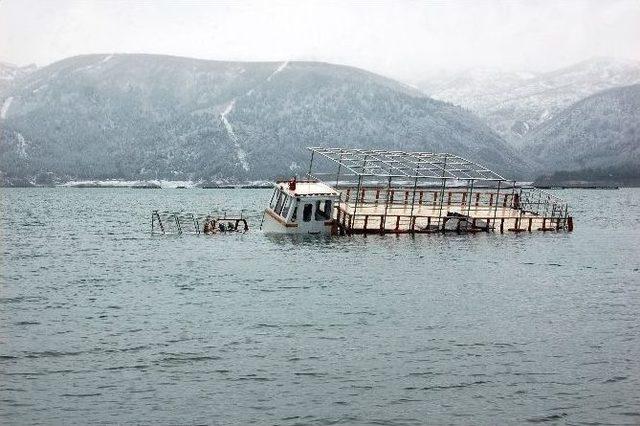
(454, 214)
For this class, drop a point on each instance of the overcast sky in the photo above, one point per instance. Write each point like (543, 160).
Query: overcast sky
(397, 38)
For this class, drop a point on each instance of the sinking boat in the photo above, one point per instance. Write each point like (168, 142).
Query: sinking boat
(301, 207)
(359, 191)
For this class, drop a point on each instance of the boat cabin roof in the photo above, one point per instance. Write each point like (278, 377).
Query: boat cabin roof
(308, 189)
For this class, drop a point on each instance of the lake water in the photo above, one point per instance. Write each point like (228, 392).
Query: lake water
(101, 322)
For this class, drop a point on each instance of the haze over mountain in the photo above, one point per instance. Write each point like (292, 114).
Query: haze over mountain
(9, 73)
(515, 103)
(135, 116)
(599, 132)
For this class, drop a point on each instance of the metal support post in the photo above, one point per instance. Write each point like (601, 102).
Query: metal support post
(355, 206)
(310, 164)
(444, 181)
(413, 201)
(386, 205)
(495, 210)
(469, 202)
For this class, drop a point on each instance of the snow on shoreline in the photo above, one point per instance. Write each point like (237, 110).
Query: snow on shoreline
(163, 184)
(132, 183)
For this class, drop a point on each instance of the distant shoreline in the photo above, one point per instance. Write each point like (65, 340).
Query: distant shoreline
(152, 184)
(547, 183)
(559, 186)
(89, 186)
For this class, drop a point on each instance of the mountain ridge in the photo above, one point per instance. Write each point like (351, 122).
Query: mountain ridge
(598, 132)
(514, 103)
(142, 116)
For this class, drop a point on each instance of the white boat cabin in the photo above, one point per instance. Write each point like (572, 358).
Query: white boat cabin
(301, 207)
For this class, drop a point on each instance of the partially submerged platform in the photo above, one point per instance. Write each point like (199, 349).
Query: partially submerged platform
(427, 214)
(419, 192)
(168, 222)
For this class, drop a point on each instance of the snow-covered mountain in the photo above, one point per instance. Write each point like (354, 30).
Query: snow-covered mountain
(9, 73)
(150, 116)
(514, 103)
(601, 131)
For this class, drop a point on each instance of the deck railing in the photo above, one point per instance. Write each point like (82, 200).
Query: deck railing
(427, 196)
(482, 209)
(168, 222)
(542, 203)
(350, 223)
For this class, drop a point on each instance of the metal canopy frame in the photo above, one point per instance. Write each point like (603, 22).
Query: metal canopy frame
(409, 189)
(407, 165)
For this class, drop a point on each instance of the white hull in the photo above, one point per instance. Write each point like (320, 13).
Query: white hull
(272, 225)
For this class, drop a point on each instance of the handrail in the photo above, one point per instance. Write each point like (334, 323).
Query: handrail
(169, 222)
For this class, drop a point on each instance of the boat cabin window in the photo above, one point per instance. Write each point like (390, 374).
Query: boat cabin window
(274, 198)
(279, 200)
(323, 210)
(286, 206)
(306, 213)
